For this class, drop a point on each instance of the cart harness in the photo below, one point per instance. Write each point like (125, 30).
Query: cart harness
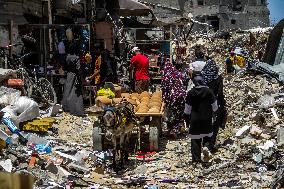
(117, 116)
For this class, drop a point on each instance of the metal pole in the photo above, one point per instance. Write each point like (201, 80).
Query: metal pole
(11, 41)
(171, 36)
(44, 51)
(49, 22)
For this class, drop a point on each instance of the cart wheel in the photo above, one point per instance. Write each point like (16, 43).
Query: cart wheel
(97, 139)
(154, 138)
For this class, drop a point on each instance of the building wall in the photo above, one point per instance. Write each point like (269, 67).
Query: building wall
(104, 33)
(231, 14)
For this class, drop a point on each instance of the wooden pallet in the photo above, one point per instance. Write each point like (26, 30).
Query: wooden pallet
(155, 127)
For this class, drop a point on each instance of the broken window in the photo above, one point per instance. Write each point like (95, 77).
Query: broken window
(263, 2)
(200, 2)
(233, 21)
(214, 22)
(237, 5)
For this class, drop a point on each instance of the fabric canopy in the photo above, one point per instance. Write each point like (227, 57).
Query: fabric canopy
(17, 19)
(133, 8)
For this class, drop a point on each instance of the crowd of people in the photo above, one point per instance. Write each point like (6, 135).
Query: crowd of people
(201, 108)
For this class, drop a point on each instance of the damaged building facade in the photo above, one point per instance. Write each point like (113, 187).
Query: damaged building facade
(221, 14)
(22, 12)
(231, 14)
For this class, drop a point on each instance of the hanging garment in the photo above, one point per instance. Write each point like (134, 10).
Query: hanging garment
(69, 34)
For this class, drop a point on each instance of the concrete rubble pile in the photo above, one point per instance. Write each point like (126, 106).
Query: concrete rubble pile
(220, 44)
(249, 155)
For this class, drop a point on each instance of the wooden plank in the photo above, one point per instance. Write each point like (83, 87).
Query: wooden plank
(15, 181)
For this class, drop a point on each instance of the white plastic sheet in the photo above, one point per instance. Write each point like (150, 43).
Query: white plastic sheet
(23, 109)
(8, 96)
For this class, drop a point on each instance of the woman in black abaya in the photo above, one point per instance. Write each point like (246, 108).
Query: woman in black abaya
(72, 96)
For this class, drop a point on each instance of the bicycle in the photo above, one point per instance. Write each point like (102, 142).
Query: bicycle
(39, 89)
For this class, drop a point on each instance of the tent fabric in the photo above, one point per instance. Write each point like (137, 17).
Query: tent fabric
(133, 8)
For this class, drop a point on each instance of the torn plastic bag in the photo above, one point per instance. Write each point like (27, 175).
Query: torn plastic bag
(8, 96)
(23, 109)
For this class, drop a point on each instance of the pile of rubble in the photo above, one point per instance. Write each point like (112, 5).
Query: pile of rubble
(249, 155)
(219, 45)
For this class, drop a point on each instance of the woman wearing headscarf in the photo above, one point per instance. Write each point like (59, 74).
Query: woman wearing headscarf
(174, 93)
(200, 104)
(73, 90)
(196, 67)
(214, 81)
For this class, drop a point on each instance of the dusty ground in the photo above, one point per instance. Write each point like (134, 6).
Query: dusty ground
(232, 165)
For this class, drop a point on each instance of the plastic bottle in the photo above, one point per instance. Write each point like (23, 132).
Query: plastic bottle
(5, 137)
(6, 119)
(9, 123)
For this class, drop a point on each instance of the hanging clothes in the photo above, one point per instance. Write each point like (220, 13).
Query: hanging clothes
(62, 56)
(69, 34)
(96, 75)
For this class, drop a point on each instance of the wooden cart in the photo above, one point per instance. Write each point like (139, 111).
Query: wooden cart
(155, 127)
(155, 130)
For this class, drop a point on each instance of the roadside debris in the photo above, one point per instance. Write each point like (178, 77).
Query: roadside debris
(59, 152)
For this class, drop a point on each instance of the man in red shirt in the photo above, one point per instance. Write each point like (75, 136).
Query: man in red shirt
(141, 71)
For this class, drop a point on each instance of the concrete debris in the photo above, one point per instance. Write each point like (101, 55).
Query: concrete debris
(78, 168)
(7, 165)
(247, 154)
(242, 131)
(280, 136)
(255, 131)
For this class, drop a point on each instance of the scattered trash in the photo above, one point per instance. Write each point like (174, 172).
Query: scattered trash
(274, 114)
(246, 157)
(7, 165)
(242, 131)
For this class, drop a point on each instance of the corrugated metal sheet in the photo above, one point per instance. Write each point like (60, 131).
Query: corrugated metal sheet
(133, 8)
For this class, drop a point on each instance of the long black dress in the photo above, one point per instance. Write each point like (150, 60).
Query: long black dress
(221, 115)
(199, 107)
(73, 96)
(199, 101)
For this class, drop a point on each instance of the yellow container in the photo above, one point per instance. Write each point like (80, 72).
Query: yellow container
(2, 144)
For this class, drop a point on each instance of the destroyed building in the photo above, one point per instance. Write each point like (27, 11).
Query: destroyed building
(221, 14)
(16, 13)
